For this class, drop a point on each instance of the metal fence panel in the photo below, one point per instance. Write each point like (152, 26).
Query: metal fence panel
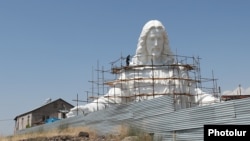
(159, 117)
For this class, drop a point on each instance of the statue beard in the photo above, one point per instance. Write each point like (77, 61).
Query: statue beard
(155, 59)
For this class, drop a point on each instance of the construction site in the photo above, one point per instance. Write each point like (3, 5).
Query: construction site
(134, 83)
(168, 108)
(155, 91)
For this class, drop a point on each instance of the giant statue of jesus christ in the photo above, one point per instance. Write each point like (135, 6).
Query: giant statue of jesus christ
(152, 60)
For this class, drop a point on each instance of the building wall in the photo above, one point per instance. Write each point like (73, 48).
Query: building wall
(49, 111)
(24, 122)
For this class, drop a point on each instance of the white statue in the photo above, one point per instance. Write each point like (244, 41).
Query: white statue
(150, 75)
(153, 46)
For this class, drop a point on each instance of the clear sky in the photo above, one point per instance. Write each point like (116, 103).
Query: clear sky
(48, 48)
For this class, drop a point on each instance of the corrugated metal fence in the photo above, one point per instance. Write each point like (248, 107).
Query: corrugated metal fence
(159, 117)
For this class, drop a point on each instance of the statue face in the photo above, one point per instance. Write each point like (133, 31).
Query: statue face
(154, 42)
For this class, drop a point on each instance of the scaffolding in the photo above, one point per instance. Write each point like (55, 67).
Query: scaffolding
(130, 79)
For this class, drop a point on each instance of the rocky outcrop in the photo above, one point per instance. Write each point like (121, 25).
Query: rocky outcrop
(58, 138)
(82, 136)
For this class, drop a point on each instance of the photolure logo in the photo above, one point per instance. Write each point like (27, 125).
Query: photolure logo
(221, 132)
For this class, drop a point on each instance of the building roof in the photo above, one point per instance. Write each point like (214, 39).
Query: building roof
(47, 103)
(232, 97)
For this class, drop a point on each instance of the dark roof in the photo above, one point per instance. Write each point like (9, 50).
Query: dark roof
(42, 107)
(231, 97)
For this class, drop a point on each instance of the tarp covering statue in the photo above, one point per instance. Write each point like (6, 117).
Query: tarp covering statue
(151, 73)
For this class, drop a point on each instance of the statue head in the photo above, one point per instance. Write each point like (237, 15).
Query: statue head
(153, 47)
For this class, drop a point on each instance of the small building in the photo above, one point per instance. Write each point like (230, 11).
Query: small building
(50, 110)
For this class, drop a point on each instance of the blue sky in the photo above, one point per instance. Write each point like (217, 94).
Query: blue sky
(49, 48)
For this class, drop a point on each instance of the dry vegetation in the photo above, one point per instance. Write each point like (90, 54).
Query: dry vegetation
(122, 132)
(59, 132)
